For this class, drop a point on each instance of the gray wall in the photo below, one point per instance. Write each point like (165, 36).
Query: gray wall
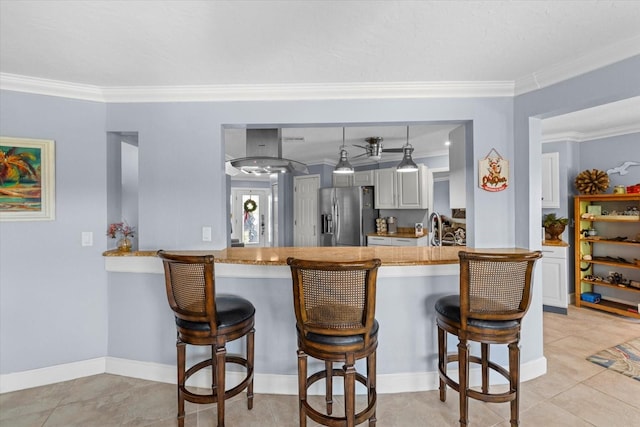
(608, 153)
(57, 301)
(53, 291)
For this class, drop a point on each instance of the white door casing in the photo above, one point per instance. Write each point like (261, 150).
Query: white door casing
(260, 224)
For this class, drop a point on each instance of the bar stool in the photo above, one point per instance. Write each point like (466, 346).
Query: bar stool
(334, 305)
(206, 319)
(495, 292)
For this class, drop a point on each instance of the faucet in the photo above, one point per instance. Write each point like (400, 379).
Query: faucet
(435, 222)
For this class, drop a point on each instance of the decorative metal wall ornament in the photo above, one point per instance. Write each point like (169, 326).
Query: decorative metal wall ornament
(622, 169)
(493, 172)
(592, 181)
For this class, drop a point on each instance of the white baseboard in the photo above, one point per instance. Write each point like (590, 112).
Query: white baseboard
(51, 374)
(263, 383)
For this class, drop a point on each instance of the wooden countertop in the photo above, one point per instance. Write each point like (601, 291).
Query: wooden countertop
(389, 255)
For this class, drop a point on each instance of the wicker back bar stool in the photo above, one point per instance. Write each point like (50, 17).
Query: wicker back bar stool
(206, 319)
(334, 305)
(495, 293)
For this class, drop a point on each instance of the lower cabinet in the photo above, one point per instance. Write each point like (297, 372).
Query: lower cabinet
(397, 241)
(555, 281)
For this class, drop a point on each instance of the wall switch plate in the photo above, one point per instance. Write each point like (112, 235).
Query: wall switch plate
(206, 234)
(87, 238)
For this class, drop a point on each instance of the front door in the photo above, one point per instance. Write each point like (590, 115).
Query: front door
(251, 221)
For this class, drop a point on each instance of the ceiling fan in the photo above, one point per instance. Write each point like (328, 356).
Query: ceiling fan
(374, 148)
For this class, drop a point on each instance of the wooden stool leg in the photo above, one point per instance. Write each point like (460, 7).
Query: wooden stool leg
(221, 353)
(214, 374)
(302, 386)
(250, 361)
(484, 356)
(514, 381)
(328, 366)
(463, 380)
(371, 384)
(350, 390)
(442, 361)
(180, 347)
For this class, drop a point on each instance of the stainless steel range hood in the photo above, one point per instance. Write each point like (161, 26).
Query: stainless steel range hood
(264, 154)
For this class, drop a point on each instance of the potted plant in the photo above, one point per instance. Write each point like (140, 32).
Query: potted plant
(554, 226)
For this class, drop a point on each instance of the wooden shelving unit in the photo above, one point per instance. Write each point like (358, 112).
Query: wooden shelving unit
(615, 249)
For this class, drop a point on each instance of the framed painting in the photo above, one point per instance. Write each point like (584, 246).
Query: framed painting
(27, 179)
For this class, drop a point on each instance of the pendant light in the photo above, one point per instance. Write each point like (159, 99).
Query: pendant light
(343, 166)
(407, 164)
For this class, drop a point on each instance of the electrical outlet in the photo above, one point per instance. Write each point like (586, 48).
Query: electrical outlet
(206, 234)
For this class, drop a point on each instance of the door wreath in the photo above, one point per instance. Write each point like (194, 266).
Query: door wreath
(250, 206)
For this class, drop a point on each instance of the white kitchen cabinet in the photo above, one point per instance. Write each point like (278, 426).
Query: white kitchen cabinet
(385, 193)
(363, 178)
(550, 180)
(353, 179)
(342, 179)
(415, 189)
(404, 190)
(554, 277)
(397, 241)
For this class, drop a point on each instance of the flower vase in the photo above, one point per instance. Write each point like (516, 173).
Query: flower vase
(124, 244)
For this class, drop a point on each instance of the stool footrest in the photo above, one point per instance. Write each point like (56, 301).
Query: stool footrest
(507, 396)
(213, 397)
(329, 420)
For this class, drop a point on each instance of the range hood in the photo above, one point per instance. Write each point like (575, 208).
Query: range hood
(264, 154)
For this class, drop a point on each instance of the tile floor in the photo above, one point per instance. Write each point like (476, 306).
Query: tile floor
(574, 392)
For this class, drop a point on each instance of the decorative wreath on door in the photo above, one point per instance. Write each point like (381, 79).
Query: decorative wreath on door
(250, 206)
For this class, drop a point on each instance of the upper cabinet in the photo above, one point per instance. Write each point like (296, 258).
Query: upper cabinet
(385, 192)
(404, 190)
(363, 178)
(550, 180)
(457, 170)
(342, 179)
(353, 179)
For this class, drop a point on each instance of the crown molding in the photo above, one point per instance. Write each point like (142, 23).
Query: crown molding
(57, 88)
(279, 92)
(570, 68)
(591, 135)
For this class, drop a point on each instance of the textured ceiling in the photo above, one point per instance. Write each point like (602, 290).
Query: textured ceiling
(168, 43)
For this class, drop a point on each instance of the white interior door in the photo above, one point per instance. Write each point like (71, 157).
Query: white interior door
(305, 210)
(251, 216)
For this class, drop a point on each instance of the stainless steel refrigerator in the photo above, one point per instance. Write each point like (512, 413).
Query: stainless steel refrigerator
(346, 215)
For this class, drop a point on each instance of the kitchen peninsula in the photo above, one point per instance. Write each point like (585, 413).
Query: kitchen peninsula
(410, 280)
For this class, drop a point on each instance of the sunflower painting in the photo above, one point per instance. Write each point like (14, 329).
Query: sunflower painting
(26, 179)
